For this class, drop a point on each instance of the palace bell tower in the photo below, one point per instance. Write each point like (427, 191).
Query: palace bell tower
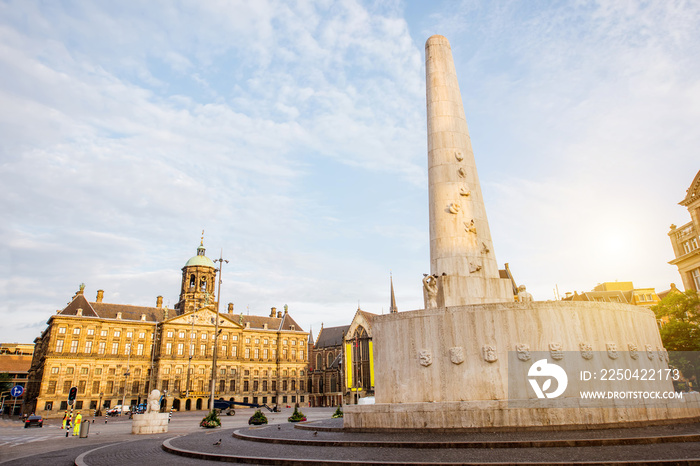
(198, 278)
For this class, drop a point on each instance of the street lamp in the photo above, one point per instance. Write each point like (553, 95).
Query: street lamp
(221, 261)
(126, 374)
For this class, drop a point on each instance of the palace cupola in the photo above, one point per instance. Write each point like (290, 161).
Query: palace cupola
(198, 278)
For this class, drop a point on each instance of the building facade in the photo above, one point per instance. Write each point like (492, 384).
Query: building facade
(358, 358)
(325, 367)
(617, 292)
(685, 240)
(15, 361)
(116, 354)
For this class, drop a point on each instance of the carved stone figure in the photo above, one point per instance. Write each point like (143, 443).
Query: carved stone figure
(489, 353)
(457, 355)
(431, 289)
(650, 352)
(464, 191)
(425, 357)
(523, 295)
(484, 249)
(586, 351)
(455, 208)
(470, 227)
(474, 267)
(461, 172)
(555, 351)
(459, 156)
(153, 402)
(523, 352)
(612, 350)
(632, 348)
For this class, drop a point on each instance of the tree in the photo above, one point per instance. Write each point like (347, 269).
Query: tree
(5, 382)
(679, 315)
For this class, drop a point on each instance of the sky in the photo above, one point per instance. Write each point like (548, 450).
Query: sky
(293, 133)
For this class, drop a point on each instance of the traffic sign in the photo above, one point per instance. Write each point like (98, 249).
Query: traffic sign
(17, 390)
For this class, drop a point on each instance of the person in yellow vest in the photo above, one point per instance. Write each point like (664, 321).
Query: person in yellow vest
(76, 426)
(65, 419)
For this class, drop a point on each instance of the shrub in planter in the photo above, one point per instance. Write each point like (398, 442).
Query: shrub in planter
(257, 418)
(297, 416)
(338, 413)
(212, 420)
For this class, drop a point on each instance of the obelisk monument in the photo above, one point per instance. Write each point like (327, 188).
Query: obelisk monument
(461, 251)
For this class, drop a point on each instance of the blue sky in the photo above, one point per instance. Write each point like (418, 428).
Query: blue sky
(293, 133)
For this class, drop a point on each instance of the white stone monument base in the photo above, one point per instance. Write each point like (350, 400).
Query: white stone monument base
(498, 416)
(472, 367)
(150, 423)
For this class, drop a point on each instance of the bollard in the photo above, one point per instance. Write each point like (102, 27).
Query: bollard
(84, 428)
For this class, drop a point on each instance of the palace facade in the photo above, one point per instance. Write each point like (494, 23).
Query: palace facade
(685, 239)
(116, 354)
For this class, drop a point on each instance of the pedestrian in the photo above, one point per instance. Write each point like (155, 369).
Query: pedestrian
(76, 427)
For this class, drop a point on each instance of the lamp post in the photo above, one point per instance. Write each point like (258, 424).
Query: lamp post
(126, 374)
(221, 261)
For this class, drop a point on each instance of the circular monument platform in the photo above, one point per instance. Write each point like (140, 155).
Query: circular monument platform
(325, 442)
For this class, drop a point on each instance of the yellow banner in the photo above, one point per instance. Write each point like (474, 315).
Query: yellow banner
(371, 365)
(348, 364)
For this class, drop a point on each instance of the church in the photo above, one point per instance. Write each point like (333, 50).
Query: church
(115, 354)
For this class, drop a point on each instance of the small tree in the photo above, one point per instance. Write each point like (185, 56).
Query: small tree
(679, 318)
(338, 413)
(258, 418)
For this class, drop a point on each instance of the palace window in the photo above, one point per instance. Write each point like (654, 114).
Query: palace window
(255, 385)
(139, 349)
(170, 334)
(101, 347)
(284, 385)
(695, 274)
(76, 331)
(223, 350)
(51, 388)
(180, 349)
(110, 387)
(98, 371)
(88, 346)
(224, 337)
(142, 335)
(265, 341)
(181, 334)
(234, 337)
(301, 385)
(81, 386)
(222, 371)
(264, 384)
(84, 370)
(59, 346)
(129, 334)
(202, 350)
(166, 370)
(61, 330)
(257, 353)
(245, 385)
(95, 387)
(301, 355)
(247, 353)
(294, 342)
(127, 348)
(54, 370)
(117, 334)
(112, 371)
(265, 353)
(294, 354)
(103, 333)
(66, 386)
(274, 385)
(234, 351)
(232, 386)
(257, 341)
(294, 385)
(222, 385)
(204, 336)
(168, 348)
(91, 331)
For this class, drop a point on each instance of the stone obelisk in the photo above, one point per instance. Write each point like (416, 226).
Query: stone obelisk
(461, 251)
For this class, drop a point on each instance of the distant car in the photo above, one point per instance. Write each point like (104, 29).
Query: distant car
(33, 421)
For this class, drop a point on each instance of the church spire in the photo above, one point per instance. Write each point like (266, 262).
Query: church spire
(392, 308)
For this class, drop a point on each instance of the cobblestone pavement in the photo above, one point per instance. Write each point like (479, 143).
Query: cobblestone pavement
(116, 445)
